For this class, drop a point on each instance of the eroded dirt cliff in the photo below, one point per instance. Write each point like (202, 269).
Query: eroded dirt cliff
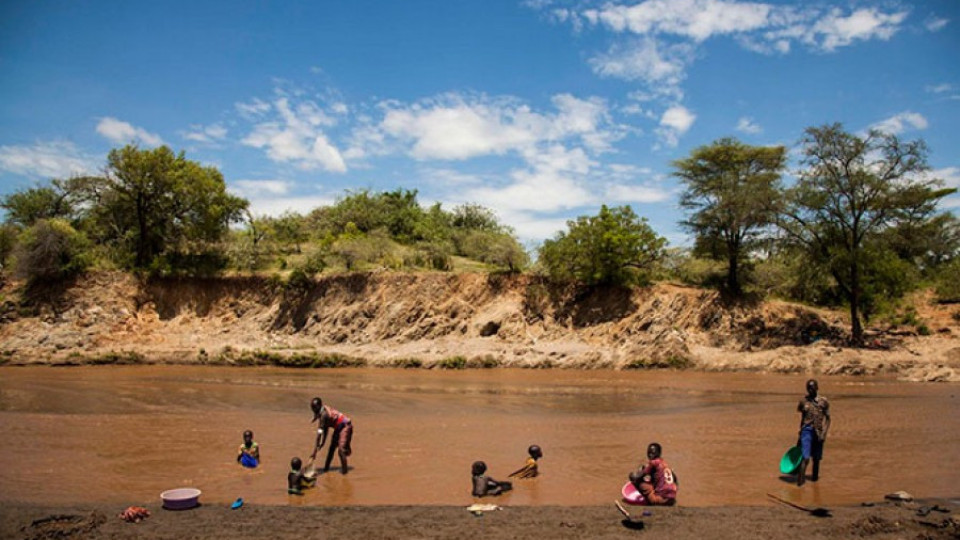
(445, 320)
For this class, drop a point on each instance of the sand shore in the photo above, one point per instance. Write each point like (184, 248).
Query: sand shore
(882, 520)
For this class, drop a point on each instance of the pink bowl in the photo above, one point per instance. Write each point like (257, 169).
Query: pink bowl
(180, 499)
(631, 495)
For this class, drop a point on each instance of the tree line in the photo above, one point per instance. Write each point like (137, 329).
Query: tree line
(858, 225)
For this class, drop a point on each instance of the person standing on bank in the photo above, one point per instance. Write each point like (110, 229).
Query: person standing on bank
(330, 418)
(814, 424)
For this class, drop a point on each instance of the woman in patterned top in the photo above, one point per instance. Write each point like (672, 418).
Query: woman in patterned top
(328, 418)
(814, 424)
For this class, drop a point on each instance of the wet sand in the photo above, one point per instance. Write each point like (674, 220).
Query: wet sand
(258, 522)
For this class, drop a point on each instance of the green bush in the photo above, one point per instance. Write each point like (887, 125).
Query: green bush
(486, 361)
(948, 283)
(406, 363)
(669, 362)
(8, 242)
(453, 362)
(51, 250)
(615, 247)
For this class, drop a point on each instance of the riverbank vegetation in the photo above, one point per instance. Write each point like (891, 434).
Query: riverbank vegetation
(858, 226)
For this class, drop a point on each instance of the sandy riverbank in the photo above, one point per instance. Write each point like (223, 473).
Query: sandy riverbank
(884, 520)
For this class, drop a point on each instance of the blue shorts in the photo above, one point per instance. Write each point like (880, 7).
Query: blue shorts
(248, 461)
(810, 444)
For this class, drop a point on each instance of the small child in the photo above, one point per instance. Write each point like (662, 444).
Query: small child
(530, 469)
(297, 481)
(484, 485)
(656, 480)
(249, 453)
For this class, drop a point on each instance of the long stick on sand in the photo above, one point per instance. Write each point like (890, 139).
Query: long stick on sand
(819, 512)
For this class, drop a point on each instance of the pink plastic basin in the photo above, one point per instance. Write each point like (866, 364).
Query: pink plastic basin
(180, 499)
(631, 495)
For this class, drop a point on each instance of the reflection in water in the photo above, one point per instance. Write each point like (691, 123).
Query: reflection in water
(124, 434)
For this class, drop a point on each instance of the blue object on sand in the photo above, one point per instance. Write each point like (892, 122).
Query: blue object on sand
(236, 504)
(790, 461)
(248, 461)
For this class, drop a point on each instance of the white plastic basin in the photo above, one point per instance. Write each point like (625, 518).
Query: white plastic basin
(180, 499)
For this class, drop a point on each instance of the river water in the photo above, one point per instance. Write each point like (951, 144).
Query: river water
(124, 434)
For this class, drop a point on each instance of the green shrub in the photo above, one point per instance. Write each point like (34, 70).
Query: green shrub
(51, 250)
(453, 362)
(406, 363)
(486, 361)
(948, 283)
(8, 242)
(669, 362)
(615, 247)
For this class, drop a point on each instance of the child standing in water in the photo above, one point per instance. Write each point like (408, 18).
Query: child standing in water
(249, 453)
(484, 485)
(530, 469)
(297, 480)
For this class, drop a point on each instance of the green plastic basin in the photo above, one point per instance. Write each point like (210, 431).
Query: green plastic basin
(791, 460)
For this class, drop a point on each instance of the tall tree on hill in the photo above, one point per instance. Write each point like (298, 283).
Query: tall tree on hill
(731, 190)
(850, 190)
(153, 201)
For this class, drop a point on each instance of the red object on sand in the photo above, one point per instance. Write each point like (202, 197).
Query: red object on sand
(632, 496)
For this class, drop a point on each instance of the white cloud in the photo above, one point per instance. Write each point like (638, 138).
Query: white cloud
(531, 228)
(276, 206)
(694, 19)
(663, 36)
(296, 134)
(949, 175)
(901, 122)
(836, 30)
(449, 177)
(939, 88)
(122, 132)
(625, 193)
(206, 134)
(951, 179)
(935, 24)
(256, 188)
(554, 180)
(674, 123)
(454, 127)
(648, 60)
(254, 109)
(747, 125)
(53, 159)
(461, 130)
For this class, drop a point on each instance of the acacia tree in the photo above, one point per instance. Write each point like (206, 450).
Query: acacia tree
(615, 247)
(730, 193)
(850, 190)
(53, 201)
(152, 201)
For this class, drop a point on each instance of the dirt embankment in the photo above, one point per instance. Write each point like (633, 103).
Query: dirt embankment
(447, 320)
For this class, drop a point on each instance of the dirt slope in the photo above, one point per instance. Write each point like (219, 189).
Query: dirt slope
(430, 319)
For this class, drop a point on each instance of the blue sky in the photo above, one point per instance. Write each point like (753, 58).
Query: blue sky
(541, 110)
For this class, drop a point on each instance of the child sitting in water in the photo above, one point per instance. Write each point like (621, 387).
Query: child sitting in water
(249, 453)
(656, 480)
(484, 485)
(297, 480)
(530, 469)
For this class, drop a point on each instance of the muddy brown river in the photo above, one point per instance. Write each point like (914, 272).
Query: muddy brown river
(124, 434)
